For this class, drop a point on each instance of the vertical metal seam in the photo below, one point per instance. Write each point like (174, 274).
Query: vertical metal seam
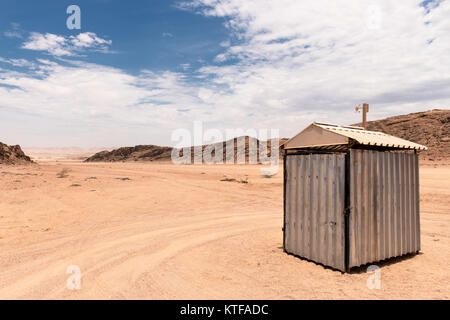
(380, 230)
(392, 236)
(363, 248)
(319, 207)
(370, 191)
(402, 202)
(309, 203)
(408, 203)
(326, 176)
(338, 229)
(412, 203)
(332, 205)
(290, 227)
(351, 231)
(399, 205)
(387, 224)
(417, 199)
(305, 213)
(347, 212)
(284, 201)
(317, 214)
(300, 201)
(295, 209)
(377, 193)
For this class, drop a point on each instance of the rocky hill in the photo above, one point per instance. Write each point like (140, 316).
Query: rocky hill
(430, 128)
(12, 155)
(157, 153)
(137, 153)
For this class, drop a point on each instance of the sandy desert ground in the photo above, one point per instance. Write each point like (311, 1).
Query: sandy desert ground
(160, 231)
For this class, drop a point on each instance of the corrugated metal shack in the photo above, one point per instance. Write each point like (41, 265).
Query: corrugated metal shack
(351, 196)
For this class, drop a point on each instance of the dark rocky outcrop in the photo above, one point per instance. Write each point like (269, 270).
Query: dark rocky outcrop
(13, 155)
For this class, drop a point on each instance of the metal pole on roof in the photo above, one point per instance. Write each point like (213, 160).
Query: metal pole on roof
(364, 114)
(365, 109)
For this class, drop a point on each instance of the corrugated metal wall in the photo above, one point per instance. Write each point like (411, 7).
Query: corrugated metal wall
(314, 206)
(384, 202)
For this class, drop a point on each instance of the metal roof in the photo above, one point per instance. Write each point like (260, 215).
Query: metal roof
(361, 136)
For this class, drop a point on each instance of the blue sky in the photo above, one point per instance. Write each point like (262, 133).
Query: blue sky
(152, 34)
(138, 70)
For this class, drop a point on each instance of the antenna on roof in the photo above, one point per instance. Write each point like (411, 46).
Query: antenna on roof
(365, 109)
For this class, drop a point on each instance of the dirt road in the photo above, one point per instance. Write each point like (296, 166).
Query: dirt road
(160, 231)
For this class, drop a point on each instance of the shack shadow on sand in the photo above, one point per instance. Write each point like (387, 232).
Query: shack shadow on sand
(363, 268)
(384, 263)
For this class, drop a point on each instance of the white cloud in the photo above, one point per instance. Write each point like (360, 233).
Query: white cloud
(293, 58)
(52, 43)
(14, 32)
(225, 43)
(289, 63)
(94, 95)
(185, 66)
(89, 40)
(57, 45)
(221, 57)
(18, 62)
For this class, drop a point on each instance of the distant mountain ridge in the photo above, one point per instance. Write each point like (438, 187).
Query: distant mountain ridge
(430, 128)
(157, 153)
(137, 153)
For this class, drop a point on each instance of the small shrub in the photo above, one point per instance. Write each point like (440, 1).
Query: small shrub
(63, 173)
(123, 179)
(228, 179)
(243, 181)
